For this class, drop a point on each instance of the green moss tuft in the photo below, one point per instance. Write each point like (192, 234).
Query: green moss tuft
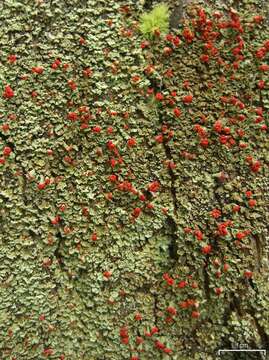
(157, 19)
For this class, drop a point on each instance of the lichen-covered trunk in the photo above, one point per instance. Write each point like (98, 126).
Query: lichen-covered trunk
(134, 192)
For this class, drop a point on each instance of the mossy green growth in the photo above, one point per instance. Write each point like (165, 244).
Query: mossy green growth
(157, 19)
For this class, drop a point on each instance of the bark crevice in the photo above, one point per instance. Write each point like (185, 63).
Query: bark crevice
(171, 222)
(57, 252)
(206, 280)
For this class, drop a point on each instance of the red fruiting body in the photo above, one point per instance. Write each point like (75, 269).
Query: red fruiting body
(264, 67)
(187, 230)
(187, 99)
(72, 116)
(236, 208)
(41, 186)
(204, 142)
(123, 331)
(240, 235)
(171, 310)
(131, 142)
(5, 127)
(94, 236)
(215, 213)
(82, 41)
(139, 340)
(144, 44)
(195, 314)
(56, 220)
(216, 262)
(222, 231)
(204, 58)
(206, 249)
(167, 50)
(7, 151)
(96, 129)
(258, 18)
(154, 186)
(72, 84)
(218, 291)
(182, 284)
(159, 138)
(42, 317)
(37, 69)
(226, 267)
(12, 58)
(62, 207)
(186, 84)
(255, 167)
(125, 340)
(159, 345)
(169, 37)
(183, 305)
(188, 35)
(8, 93)
(177, 112)
(48, 352)
(138, 317)
(154, 330)
(176, 41)
(107, 274)
(168, 279)
(113, 162)
(57, 61)
(113, 178)
(159, 96)
(248, 274)
(110, 145)
(136, 212)
(252, 202)
(54, 66)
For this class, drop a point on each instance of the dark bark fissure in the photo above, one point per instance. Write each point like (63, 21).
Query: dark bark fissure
(172, 176)
(173, 248)
(57, 252)
(144, 288)
(264, 337)
(176, 15)
(235, 306)
(3, 136)
(24, 186)
(171, 222)
(258, 250)
(155, 309)
(147, 4)
(206, 280)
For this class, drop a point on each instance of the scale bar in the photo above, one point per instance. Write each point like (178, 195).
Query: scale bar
(248, 350)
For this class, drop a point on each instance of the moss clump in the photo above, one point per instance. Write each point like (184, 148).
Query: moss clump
(157, 19)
